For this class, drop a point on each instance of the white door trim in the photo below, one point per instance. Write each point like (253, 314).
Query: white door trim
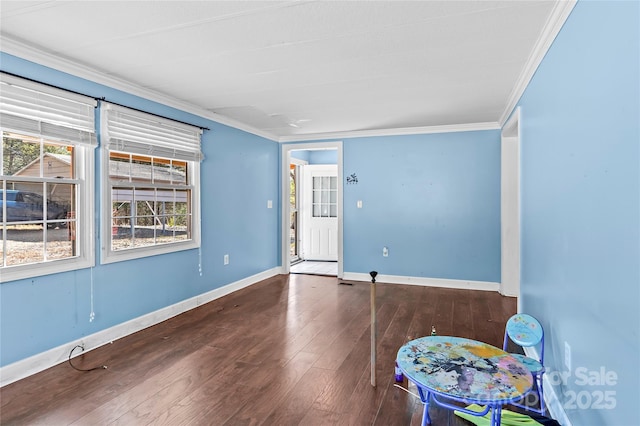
(299, 182)
(284, 198)
(510, 207)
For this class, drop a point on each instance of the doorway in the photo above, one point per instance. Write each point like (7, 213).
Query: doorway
(303, 233)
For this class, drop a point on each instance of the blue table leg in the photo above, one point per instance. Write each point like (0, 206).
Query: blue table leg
(496, 414)
(426, 420)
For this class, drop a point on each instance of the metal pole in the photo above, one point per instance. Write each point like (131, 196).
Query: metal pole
(373, 327)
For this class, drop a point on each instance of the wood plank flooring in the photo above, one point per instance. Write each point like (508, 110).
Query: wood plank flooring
(289, 350)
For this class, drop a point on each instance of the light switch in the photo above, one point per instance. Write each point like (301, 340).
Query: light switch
(359, 204)
(269, 204)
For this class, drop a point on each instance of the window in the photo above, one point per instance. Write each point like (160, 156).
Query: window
(46, 178)
(325, 196)
(151, 179)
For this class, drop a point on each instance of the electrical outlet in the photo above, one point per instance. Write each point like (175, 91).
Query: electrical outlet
(385, 252)
(226, 259)
(269, 204)
(359, 204)
(567, 355)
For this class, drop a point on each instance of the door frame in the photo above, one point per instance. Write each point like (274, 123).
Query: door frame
(284, 198)
(510, 207)
(299, 182)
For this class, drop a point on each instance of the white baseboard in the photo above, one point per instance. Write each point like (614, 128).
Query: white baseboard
(554, 405)
(36, 363)
(427, 282)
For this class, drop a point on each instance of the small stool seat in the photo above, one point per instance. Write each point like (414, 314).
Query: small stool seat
(525, 331)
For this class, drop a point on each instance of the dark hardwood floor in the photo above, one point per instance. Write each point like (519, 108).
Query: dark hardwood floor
(289, 350)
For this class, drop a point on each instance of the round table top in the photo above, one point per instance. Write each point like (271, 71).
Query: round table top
(464, 369)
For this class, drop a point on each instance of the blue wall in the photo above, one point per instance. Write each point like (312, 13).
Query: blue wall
(432, 199)
(238, 176)
(580, 207)
(319, 156)
(300, 155)
(323, 156)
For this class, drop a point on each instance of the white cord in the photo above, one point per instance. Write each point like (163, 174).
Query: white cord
(92, 315)
(406, 390)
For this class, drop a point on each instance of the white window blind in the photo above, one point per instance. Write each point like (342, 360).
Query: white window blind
(136, 132)
(38, 109)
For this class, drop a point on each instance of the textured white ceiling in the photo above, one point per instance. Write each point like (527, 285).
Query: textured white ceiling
(295, 69)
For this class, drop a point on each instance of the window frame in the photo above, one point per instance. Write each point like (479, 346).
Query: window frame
(108, 255)
(84, 162)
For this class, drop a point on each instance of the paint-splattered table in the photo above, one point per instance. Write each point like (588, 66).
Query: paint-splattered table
(455, 368)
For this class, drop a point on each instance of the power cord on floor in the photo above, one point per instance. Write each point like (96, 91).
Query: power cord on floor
(103, 367)
(406, 390)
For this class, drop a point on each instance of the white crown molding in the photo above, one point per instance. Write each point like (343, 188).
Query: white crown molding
(39, 362)
(561, 11)
(41, 57)
(425, 282)
(470, 127)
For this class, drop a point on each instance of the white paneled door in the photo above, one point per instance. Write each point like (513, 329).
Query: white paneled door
(320, 212)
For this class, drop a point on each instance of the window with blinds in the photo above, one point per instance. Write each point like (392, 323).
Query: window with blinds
(47, 167)
(151, 179)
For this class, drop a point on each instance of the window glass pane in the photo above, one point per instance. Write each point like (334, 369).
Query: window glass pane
(166, 199)
(145, 235)
(119, 166)
(325, 196)
(334, 182)
(179, 172)
(161, 170)
(316, 210)
(325, 182)
(140, 168)
(316, 196)
(333, 197)
(145, 206)
(333, 210)
(182, 202)
(60, 244)
(57, 161)
(164, 232)
(325, 210)
(122, 199)
(18, 152)
(182, 224)
(316, 182)
(182, 234)
(24, 202)
(59, 203)
(121, 233)
(25, 244)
